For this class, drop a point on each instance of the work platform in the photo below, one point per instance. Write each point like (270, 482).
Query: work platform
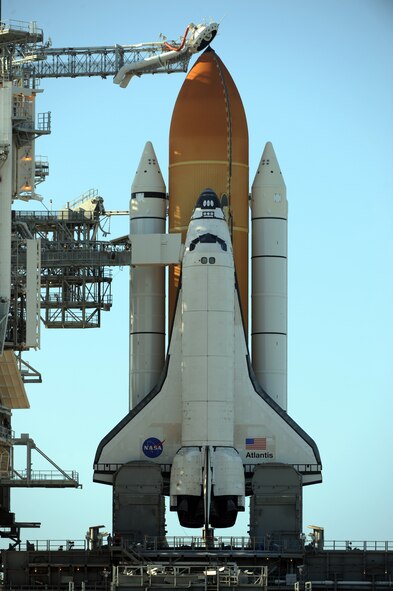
(191, 562)
(18, 32)
(73, 269)
(42, 479)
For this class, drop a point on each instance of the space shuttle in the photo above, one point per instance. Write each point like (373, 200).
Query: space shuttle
(203, 412)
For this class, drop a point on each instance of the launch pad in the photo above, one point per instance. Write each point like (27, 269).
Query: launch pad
(194, 563)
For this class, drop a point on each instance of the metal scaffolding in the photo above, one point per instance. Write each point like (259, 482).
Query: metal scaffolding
(68, 62)
(76, 268)
(29, 478)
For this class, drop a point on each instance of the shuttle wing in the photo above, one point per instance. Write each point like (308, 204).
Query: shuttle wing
(263, 431)
(151, 430)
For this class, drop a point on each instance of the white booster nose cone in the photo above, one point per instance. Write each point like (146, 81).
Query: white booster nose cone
(148, 176)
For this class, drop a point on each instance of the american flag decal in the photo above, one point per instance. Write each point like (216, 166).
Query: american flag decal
(254, 443)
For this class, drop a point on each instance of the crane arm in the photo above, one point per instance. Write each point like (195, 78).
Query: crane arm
(120, 61)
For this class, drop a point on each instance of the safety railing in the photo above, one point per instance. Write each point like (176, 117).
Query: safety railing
(219, 543)
(53, 545)
(62, 215)
(362, 546)
(26, 27)
(222, 543)
(48, 474)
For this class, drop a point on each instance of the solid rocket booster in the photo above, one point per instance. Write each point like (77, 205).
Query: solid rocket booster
(269, 277)
(147, 282)
(208, 147)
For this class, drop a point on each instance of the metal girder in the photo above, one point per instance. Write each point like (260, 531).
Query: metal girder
(68, 62)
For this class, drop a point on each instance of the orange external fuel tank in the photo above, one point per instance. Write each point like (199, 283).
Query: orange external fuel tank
(208, 147)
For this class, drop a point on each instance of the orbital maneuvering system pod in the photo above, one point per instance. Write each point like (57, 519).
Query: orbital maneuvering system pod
(208, 427)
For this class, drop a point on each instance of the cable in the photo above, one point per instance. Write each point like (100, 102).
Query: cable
(171, 47)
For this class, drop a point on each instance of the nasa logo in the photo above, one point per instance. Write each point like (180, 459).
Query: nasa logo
(152, 447)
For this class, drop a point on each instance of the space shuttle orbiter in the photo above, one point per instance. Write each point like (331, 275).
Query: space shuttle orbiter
(207, 420)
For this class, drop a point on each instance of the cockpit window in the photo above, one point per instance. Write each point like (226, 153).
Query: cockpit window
(208, 200)
(208, 239)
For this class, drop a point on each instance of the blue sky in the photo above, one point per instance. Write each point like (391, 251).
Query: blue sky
(316, 80)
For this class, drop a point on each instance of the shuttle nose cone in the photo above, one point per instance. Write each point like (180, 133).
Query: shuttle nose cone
(208, 200)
